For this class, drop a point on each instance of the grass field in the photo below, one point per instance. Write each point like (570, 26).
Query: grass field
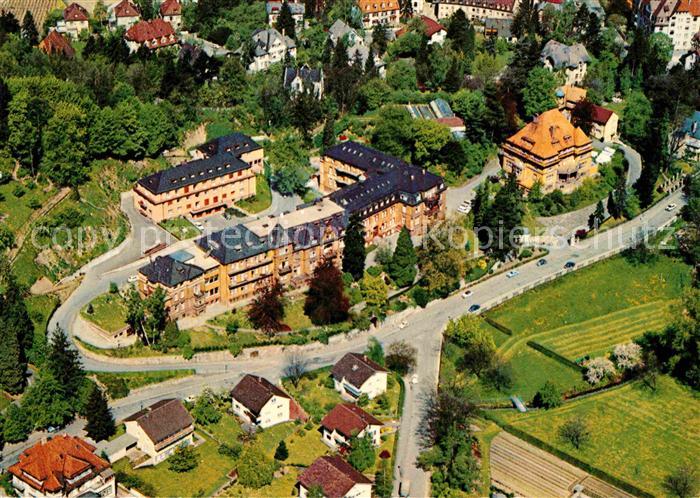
(16, 210)
(180, 228)
(262, 198)
(637, 435)
(135, 380)
(599, 335)
(108, 312)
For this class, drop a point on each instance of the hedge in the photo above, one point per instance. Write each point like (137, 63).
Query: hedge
(555, 356)
(497, 325)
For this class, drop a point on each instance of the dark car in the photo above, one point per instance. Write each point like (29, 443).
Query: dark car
(569, 265)
(541, 262)
(474, 308)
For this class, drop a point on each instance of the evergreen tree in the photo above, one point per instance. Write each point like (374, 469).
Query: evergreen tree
(326, 301)
(525, 21)
(379, 42)
(354, 250)
(504, 218)
(63, 362)
(382, 480)
(285, 21)
(370, 67)
(29, 31)
(5, 98)
(100, 422)
(13, 310)
(17, 424)
(328, 137)
(281, 453)
(454, 77)
(309, 9)
(597, 217)
(403, 264)
(12, 369)
(480, 205)
(495, 116)
(461, 32)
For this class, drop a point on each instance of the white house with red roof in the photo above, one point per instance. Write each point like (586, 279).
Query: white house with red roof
(346, 421)
(355, 375)
(336, 478)
(171, 12)
(153, 34)
(75, 20)
(257, 401)
(123, 14)
(679, 19)
(603, 124)
(63, 466)
(435, 31)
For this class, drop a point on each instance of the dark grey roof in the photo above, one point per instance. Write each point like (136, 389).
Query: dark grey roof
(254, 392)
(363, 157)
(263, 39)
(562, 55)
(162, 419)
(169, 272)
(234, 143)
(308, 75)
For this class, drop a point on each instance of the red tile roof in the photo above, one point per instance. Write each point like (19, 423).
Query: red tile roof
(52, 463)
(75, 12)
(348, 419)
(690, 6)
(451, 122)
(600, 115)
(335, 476)
(126, 9)
(170, 8)
(56, 44)
(431, 27)
(155, 33)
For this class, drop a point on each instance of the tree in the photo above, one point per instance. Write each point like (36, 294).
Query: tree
(5, 97)
(504, 220)
(290, 179)
(362, 453)
(285, 21)
(538, 94)
(403, 263)
(267, 309)
(375, 351)
(328, 138)
(354, 249)
(383, 485)
(29, 31)
(25, 119)
(401, 357)
(499, 375)
(100, 422)
(575, 432)
(429, 137)
(63, 362)
(495, 116)
(478, 347)
(442, 258)
(445, 413)
(13, 310)
(12, 367)
(461, 32)
(582, 115)
(374, 293)
(635, 118)
(326, 301)
(204, 410)
(281, 453)
(379, 41)
(48, 402)
(295, 368)
(525, 20)
(683, 482)
(305, 112)
(597, 217)
(183, 460)
(547, 397)
(233, 80)
(480, 205)
(65, 145)
(393, 131)
(255, 469)
(17, 425)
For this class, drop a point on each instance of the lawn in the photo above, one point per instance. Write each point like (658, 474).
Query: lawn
(637, 434)
(180, 228)
(262, 198)
(280, 487)
(16, 209)
(204, 480)
(313, 394)
(134, 380)
(40, 309)
(108, 312)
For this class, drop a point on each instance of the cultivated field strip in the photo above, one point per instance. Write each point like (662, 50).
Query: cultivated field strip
(39, 8)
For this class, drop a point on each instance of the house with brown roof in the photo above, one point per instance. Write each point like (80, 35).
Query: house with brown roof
(124, 14)
(335, 477)
(355, 374)
(257, 401)
(551, 151)
(160, 429)
(75, 20)
(56, 44)
(153, 34)
(435, 32)
(64, 466)
(345, 421)
(379, 12)
(568, 98)
(171, 12)
(604, 124)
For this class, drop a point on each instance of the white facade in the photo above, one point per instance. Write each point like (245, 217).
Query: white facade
(335, 439)
(175, 21)
(161, 451)
(677, 19)
(372, 387)
(474, 11)
(104, 485)
(270, 47)
(357, 491)
(275, 411)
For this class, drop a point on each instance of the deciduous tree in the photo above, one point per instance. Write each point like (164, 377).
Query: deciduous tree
(326, 301)
(267, 309)
(362, 453)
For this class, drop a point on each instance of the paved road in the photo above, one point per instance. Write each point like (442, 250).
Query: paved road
(455, 196)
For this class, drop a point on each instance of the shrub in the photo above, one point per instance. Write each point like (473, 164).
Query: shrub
(683, 482)
(575, 432)
(628, 356)
(363, 400)
(421, 296)
(281, 453)
(90, 310)
(234, 348)
(116, 387)
(255, 470)
(328, 382)
(526, 253)
(232, 450)
(232, 327)
(547, 397)
(598, 369)
(34, 204)
(188, 352)
(374, 271)
(183, 460)
(18, 191)
(113, 288)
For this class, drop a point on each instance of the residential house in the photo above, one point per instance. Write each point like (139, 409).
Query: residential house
(551, 151)
(604, 124)
(689, 137)
(222, 173)
(384, 191)
(297, 9)
(171, 12)
(259, 402)
(355, 375)
(160, 429)
(336, 478)
(56, 44)
(153, 34)
(63, 466)
(339, 30)
(269, 47)
(499, 28)
(303, 79)
(571, 60)
(346, 421)
(379, 12)
(123, 14)
(75, 20)
(475, 10)
(568, 97)
(679, 19)
(435, 32)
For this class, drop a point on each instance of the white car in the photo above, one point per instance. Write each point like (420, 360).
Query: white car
(465, 207)
(199, 225)
(467, 293)
(132, 279)
(403, 324)
(512, 273)
(414, 379)
(670, 207)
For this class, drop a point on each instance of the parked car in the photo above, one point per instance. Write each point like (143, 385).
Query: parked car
(569, 265)
(132, 279)
(404, 488)
(414, 379)
(403, 324)
(465, 207)
(467, 293)
(671, 207)
(474, 308)
(199, 225)
(512, 273)
(541, 262)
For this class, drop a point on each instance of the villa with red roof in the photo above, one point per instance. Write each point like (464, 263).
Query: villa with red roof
(336, 478)
(433, 30)
(64, 466)
(153, 34)
(346, 421)
(123, 14)
(56, 44)
(355, 374)
(171, 11)
(75, 20)
(604, 124)
(257, 401)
